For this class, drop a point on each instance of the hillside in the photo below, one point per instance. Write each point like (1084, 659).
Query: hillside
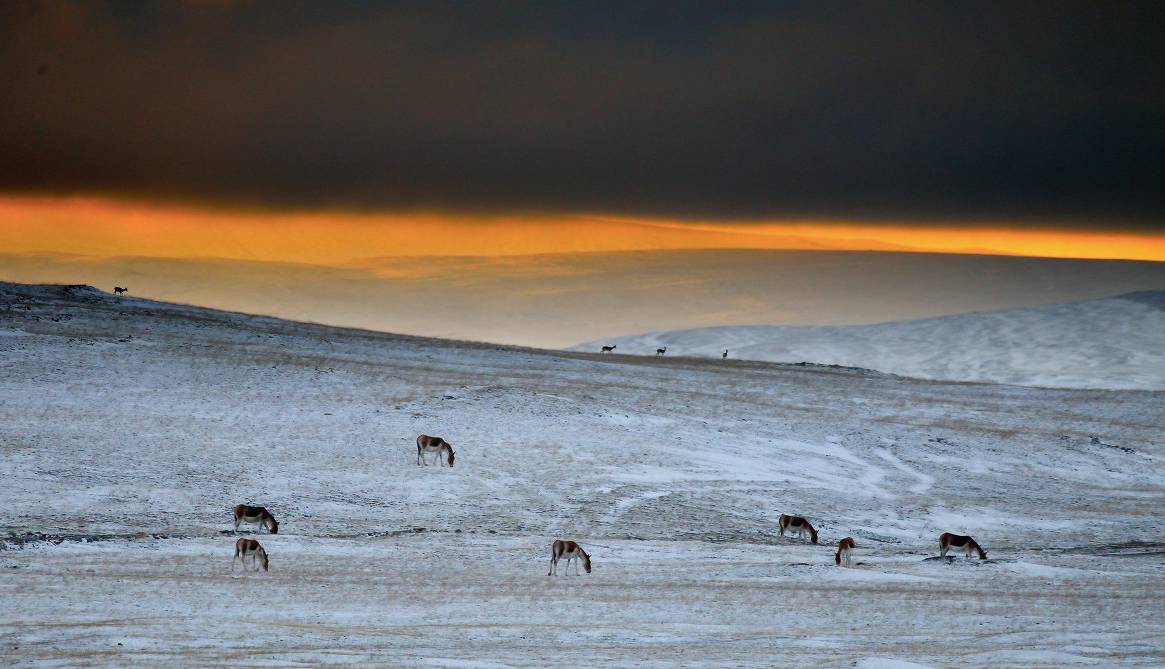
(128, 428)
(1110, 343)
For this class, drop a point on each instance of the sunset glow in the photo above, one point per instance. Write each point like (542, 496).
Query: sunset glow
(107, 227)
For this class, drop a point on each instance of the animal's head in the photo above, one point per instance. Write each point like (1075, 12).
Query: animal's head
(837, 558)
(813, 533)
(586, 562)
(982, 553)
(274, 525)
(266, 562)
(451, 456)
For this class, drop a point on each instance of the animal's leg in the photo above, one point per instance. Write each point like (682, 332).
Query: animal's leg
(551, 572)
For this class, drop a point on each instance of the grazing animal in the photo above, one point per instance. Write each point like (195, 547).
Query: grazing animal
(724, 354)
(256, 514)
(608, 349)
(797, 525)
(571, 551)
(661, 351)
(249, 548)
(844, 548)
(946, 541)
(427, 444)
(118, 290)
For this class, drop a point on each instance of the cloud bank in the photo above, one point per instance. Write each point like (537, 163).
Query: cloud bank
(1029, 113)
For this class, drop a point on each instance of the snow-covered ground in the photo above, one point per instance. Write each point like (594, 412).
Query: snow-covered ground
(1113, 343)
(128, 429)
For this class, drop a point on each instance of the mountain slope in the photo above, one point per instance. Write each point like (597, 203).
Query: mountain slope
(128, 429)
(1107, 343)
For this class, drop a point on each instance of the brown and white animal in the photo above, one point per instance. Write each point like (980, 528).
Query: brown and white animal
(844, 548)
(118, 290)
(608, 349)
(427, 444)
(797, 525)
(249, 548)
(947, 541)
(256, 514)
(571, 551)
(660, 351)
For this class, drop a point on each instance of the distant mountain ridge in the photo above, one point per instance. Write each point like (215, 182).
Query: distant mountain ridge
(558, 300)
(1109, 343)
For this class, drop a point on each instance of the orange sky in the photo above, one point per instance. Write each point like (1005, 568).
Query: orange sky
(105, 227)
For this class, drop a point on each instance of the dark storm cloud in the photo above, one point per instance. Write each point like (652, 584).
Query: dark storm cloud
(1017, 110)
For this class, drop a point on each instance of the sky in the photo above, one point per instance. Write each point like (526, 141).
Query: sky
(334, 133)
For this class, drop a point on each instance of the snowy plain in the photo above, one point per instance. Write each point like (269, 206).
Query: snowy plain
(1113, 343)
(128, 429)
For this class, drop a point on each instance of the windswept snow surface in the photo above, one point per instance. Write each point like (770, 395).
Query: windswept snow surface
(1113, 343)
(129, 428)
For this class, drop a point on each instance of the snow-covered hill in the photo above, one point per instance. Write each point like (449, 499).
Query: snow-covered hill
(128, 429)
(1117, 342)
